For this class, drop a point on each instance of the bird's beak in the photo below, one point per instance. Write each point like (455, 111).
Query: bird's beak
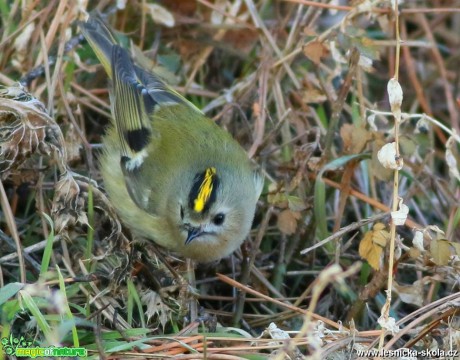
(193, 232)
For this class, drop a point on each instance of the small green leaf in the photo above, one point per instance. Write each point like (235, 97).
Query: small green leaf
(9, 290)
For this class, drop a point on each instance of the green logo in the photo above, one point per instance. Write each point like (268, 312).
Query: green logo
(11, 344)
(24, 348)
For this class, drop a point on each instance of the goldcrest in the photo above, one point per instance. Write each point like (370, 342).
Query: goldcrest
(173, 175)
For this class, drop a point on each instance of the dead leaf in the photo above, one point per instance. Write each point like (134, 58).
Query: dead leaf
(377, 168)
(414, 253)
(372, 245)
(26, 129)
(399, 217)
(410, 294)
(308, 31)
(440, 251)
(388, 158)
(314, 96)
(156, 307)
(354, 138)
(395, 96)
(69, 205)
(241, 40)
(315, 50)
(287, 221)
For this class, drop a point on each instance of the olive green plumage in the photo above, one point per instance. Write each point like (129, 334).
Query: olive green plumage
(173, 175)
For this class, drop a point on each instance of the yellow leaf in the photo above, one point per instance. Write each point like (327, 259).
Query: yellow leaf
(440, 251)
(372, 245)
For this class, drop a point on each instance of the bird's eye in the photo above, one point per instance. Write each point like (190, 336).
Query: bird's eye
(218, 219)
(182, 213)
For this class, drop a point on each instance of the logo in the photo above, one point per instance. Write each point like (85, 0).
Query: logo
(20, 347)
(10, 344)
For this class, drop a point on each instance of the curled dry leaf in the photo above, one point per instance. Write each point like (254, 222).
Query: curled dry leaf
(399, 217)
(417, 241)
(25, 129)
(377, 169)
(276, 333)
(436, 230)
(388, 158)
(69, 206)
(395, 96)
(389, 324)
(280, 336)
(372, 245)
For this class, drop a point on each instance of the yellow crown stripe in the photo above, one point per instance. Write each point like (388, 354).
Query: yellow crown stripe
(205, 190)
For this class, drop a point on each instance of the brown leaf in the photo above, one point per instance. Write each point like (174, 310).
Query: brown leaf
(315, 50)
(242, 40)
(287, 221)
(354, 138)
(414, 253)
(314, 96)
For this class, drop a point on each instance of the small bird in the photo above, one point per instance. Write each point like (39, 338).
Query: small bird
(173, 175)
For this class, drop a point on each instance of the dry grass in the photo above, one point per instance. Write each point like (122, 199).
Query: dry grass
(302, 85)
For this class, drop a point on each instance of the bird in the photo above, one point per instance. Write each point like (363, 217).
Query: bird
(172, 174)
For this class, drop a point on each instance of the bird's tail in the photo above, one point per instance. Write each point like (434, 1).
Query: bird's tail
(100, 38)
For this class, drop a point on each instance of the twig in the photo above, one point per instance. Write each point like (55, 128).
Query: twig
(386, 307)
(344, 230)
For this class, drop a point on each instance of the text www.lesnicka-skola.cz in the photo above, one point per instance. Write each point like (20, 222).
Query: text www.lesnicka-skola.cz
(434, 354)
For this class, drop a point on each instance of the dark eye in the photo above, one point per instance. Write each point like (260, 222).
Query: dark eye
(218, 219)
(182, 213)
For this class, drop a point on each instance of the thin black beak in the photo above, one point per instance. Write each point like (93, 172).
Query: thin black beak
(193, 233)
